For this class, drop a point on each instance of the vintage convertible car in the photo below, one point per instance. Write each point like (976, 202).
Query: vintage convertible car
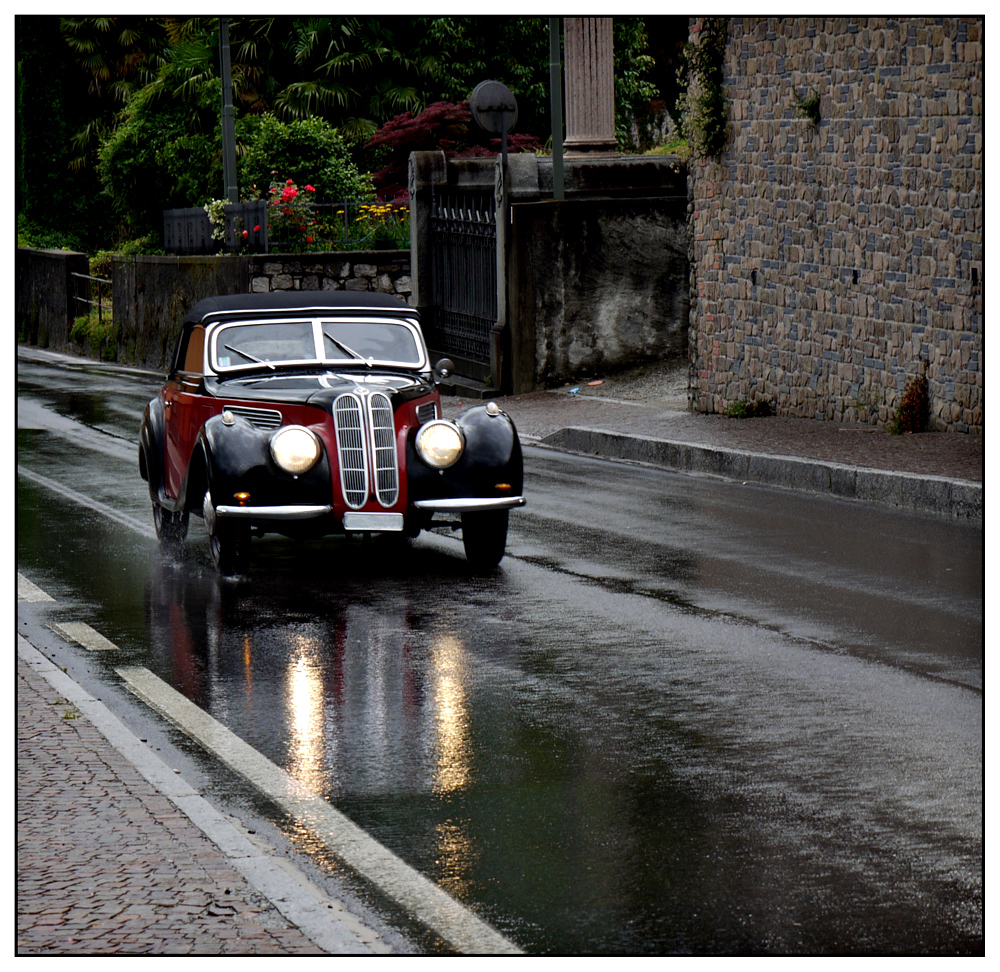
(309, 413)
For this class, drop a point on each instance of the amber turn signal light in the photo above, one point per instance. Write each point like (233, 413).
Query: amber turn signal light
(242, 498)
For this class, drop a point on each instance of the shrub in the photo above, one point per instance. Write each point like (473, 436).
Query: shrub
(307, 150)
(745, 409)
(30, 233)
(100, 262)
(95, 333)
(443, 126)
(913, 410)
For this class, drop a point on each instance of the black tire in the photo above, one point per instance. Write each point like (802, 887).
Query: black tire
(484, 536)
(229, 541)
(171, 528)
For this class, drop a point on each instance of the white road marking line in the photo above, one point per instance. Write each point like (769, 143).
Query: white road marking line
(305, 905)
(83, 634)
(26, 591)
(88, 501)
(420, 897)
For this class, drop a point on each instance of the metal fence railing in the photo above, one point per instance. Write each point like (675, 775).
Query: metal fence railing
(87, 287)
(190, 231)
(315, 225)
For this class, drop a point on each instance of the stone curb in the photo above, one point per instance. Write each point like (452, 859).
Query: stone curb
(912, 492)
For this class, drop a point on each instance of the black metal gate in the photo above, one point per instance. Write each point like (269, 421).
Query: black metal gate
(464, 272)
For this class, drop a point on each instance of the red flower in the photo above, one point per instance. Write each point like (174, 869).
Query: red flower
(289, 183)
(309, 239)
(256, 229)
(245, 234)
(310, 189)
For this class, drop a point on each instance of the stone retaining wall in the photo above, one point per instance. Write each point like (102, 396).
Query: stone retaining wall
(832, 262)
(383, 271)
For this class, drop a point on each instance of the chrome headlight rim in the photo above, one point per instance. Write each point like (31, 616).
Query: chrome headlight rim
(447, 447)
(295, 449)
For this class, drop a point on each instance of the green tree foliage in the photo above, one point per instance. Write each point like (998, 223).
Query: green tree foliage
(163, 153)
(55, 206)
(462, 51)
(134, 101)
(356, 71)
(634, 89)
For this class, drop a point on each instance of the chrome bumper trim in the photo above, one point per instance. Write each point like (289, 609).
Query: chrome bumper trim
(274, 512)
(470, 504)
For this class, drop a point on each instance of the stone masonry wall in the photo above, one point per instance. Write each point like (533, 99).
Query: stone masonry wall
(832, 262)
(384, 271)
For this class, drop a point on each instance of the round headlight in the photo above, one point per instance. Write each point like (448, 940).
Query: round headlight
(439, 444)
(295, 449)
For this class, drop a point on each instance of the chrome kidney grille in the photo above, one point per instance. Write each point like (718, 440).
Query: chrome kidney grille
(383, 449)
(358, 452)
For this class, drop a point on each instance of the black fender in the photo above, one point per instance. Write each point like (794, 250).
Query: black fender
(237, 458)
(492, 458)
(151, 435)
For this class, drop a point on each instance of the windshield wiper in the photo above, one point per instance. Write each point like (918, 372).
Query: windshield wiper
(249, 357)
(343, 347)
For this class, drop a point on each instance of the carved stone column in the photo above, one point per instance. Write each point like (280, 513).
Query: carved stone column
(590, 87)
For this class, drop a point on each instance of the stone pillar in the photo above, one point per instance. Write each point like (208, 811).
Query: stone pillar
(590, 87)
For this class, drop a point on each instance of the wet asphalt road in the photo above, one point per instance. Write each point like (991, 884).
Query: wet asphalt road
(683, 716)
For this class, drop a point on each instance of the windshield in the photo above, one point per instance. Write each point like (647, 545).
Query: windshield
(270, 343)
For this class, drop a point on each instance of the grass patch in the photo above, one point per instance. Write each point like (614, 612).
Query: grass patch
(745, 409)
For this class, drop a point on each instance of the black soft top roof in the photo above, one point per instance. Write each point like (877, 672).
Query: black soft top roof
(298, 301)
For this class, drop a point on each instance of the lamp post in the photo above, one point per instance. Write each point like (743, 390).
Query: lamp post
(228, 125)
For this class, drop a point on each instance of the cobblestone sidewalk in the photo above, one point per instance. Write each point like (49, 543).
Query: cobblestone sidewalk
(106, 864)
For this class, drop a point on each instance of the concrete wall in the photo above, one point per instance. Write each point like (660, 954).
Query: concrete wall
(151, 294)
(43, 294)
(832, 262)
(596, 286)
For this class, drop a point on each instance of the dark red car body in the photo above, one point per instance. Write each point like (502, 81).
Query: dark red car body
(315, 413)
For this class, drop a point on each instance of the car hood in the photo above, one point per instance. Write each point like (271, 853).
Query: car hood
(317, 388)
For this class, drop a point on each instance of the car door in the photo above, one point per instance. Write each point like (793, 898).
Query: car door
(185, 410)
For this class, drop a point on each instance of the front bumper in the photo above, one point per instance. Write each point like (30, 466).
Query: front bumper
(273, 512)
(469, 504)
(370, 521)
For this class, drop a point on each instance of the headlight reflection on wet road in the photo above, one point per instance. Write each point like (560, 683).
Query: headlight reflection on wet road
(305, 714)
(453, 753)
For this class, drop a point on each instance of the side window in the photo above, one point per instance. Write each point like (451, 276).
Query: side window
(194, 355)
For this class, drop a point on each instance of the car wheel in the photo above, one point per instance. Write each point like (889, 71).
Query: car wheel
(171, 528)
(229, 541)
(484, 535)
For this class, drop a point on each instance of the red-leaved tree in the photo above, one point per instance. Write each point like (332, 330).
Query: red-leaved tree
(443, 126)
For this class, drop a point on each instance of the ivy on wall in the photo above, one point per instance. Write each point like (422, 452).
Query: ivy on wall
(703, 104)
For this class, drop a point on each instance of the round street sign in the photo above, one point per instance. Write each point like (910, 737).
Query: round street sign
(494, 107)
